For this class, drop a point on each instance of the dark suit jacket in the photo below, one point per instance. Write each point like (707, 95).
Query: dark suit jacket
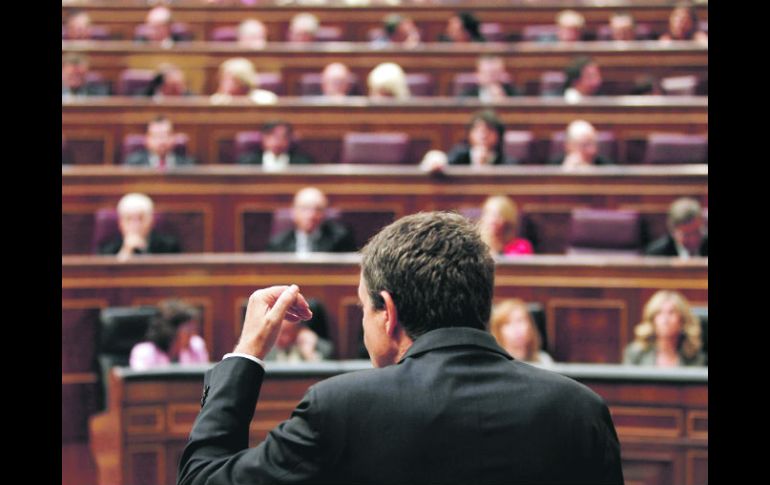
(473, 91)
(457, 409)
(666, 246)
(598, 160)
(255, 158)
(157, 244)
(141, 158)
(88, 89)
(335, 238)
(461, 155)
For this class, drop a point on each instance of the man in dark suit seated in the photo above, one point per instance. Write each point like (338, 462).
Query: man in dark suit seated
(159, 147)
(581, 147)
(74, 68)
(311, 232)
(444, 404)
(277, 152)
(687, 235)
(491, 87)
(137, 236)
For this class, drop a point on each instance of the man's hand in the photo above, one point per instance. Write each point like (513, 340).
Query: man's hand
(266, 311)
(131, 242)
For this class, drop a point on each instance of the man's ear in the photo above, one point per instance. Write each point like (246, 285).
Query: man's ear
(391, 313)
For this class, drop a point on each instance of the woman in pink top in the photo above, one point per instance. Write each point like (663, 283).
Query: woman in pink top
(499, 225)
(171, 338)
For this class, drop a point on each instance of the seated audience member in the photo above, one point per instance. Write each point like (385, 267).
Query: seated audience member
(252, 34)
(398, 30)
(687, 235)
(277, 152)
(570, 25)
(483, 146)
(512, 326)
(492, 85)
(622, 26)
(312, 232)
(335, 81)
(74, 68)
(158, 22)
(583, 78)
(239, 78)
(669, 334)
(499, 226)
(78, 26)
(646, 85)
(159, 147)
(297, 343)
(172, 337)
(461, 28)
(387, 81)
(169, 82)
(580, 147)
(683, 25)
(303, 28)
(137, 236)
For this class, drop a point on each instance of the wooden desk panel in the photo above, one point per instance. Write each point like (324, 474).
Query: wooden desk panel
(355, 22)
(621, 64)
(647, 406)
(320, 126)
(227, 199)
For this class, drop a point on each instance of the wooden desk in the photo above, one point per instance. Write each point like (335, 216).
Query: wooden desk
(621, 64)
(661, 417)
(199, 199)
(591, 303)
(356, 21)
(96, 127)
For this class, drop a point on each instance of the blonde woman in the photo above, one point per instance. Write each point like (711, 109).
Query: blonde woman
(669, 334)
(238, 77)
(512, 326)
(388, 80)
(499, 224)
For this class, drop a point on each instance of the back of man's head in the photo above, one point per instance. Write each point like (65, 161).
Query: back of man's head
(436, 268)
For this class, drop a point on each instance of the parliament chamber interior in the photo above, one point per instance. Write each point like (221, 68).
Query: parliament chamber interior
(219, 114)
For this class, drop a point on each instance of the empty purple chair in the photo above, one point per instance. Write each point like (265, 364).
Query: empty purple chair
(179, 31)
(420, 84)
(225, 33)
(375, 148)
(271, 81)
(136, 141)
(605, 231)
(552, 83)
(492, 31)
(134, 82)
(518, 144)
(606, 141)
(676, 148)
(247, 142)
(641, 32)
(328, 33)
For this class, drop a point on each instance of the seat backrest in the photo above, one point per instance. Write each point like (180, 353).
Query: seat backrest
(224, 33)
(328, 33)
(492, 31)
(420, 84)
(133, 142)
(271, 81)
(552, 83)
(465, 80)
(518, 144)
(375, 148)
(642, 31)
(676, 148)
(246, 142)
(180, 30)
(134, 82)
(606, 141)
(540, 33)
(310, 84)
(604, 231)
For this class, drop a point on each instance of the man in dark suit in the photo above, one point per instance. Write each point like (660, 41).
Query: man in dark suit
(581, 148)
(277, 151)
(311, 232)
(493, 84)
(159, 147)
(137, 236)
(444, 405)
(74, 68)
(686, 235)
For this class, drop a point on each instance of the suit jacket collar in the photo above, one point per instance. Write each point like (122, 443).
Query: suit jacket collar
(454, 337)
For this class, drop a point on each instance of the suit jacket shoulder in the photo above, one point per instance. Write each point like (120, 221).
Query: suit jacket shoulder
(138, 158)
(284, 242)
(663, 246)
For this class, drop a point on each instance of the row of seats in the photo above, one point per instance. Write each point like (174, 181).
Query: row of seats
(393, 147)
(135, 82)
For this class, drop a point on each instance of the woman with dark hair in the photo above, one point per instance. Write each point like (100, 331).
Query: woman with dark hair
(171, 338)
(462, 27)
(582, 78)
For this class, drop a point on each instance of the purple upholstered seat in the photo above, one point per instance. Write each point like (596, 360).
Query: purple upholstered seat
(180, 30)
(676, 148)
(310, 84)
(552, 83)
(134, 82)
(604, 231)
(375, 148)
(94, 78)
(95, 32)
(641, 32)
(247, 141)
(606, 141)
(466, 80)
(271, 81)
(540, 33)
(492, 31)
(136, 141)
(328, 33)
(420, 84)
(518, 144)
(224, 33)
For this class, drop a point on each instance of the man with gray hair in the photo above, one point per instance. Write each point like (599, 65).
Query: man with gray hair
(687, 235)
(444, 403)
(136, 221)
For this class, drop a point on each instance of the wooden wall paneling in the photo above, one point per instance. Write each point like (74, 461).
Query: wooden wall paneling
(587, 330)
